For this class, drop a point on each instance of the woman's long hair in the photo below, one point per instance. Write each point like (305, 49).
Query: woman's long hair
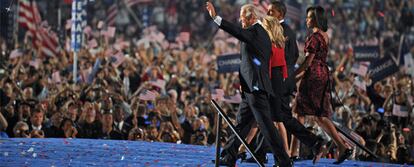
(319, 17)
(275, 31)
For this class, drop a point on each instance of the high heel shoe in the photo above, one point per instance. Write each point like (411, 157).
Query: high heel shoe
(318, 150)
(242, 156)
(347, 153)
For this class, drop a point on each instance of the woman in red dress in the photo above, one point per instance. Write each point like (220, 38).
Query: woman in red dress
(278, 72)
(314, 90)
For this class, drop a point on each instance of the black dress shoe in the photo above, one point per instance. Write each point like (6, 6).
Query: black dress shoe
(290, 164)
(225, 162)
(317, 149)
(296, 158)
(344, 156)
(261, 160)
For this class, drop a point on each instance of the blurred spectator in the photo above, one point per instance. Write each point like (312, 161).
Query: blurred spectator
(152, 134)
(68, 128)
(55, 129)
(21, 130)
(119, 124)
(167, 133)
(36, 120)
(108, 130)
(136, 134)
(89, 126)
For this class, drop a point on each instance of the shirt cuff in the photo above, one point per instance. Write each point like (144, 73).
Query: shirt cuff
(218, 19)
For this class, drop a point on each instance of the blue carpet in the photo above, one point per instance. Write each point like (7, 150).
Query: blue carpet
(86, 152)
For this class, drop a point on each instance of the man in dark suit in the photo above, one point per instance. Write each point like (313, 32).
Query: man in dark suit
(120, 124)
(255, 84)
(278, 9)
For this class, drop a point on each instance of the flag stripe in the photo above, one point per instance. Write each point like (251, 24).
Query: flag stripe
(29, 17)
(112, 12)
(293, 12)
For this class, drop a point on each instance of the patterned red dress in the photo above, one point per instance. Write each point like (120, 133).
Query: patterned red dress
(314, 96)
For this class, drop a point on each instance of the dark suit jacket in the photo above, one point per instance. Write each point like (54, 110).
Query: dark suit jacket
(134, 81)
(125, 129)
(291, 56)
(255, 51)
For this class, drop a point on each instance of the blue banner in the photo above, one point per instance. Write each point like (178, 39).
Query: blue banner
(228, 63)
(366, 53)
(382, 69)
(77, 20)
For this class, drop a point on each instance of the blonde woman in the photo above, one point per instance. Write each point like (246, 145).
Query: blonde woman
(278, 72)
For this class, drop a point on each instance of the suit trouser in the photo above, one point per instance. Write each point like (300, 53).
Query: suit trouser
(283, 113)
(255, 108)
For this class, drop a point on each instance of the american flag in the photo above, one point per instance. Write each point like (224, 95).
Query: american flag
(47, 40)
(236, 99)
(43, 38)
(131, 3)
(148, 95)
(158, 83)
(111, 31)
(29, 16)
(56, 77)
(92, 43)
(15, 54)
(118, 59)
(399, 111)
(85, 74)
(360, 68)
(217, 94)
(35, 63)
(112, 12)
(293, 12)
(183, 37)
(261, 7)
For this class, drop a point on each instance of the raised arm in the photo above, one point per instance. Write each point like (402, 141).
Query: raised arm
(238, 32)
(363, 96)
(387, 106)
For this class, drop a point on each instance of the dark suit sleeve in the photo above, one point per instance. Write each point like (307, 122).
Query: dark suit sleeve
(295, 49)
(291, 48)
(244, 35)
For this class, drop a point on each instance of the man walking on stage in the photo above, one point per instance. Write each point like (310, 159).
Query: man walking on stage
(278, 9)
(255, 84)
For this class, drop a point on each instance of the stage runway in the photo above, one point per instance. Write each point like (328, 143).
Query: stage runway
(86, 152)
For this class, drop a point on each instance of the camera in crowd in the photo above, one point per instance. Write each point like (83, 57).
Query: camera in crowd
(200, 136)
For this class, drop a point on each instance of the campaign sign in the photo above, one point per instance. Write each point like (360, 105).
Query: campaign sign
(228, 63)
(366, 53)
(382, 69)
(76, 29)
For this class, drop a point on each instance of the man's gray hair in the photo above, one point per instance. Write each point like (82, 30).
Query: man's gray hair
(16, 128)
(250, 10)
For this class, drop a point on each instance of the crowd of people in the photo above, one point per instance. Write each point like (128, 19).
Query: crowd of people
(154, 83)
